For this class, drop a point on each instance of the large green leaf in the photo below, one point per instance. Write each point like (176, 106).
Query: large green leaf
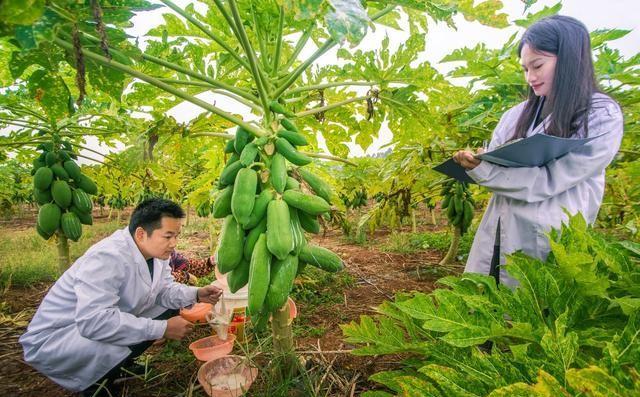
(595, 382)
(51, 93)
(348, 21)
(21, 12)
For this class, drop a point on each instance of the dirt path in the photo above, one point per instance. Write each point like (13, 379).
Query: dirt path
(377, 277)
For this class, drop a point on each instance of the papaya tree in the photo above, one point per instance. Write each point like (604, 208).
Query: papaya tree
(458, 204)
(250, 52)
(59, 187)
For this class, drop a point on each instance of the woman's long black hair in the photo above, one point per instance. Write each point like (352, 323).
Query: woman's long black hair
(574, 81)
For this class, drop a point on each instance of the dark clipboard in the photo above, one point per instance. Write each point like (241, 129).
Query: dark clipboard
(534, 151)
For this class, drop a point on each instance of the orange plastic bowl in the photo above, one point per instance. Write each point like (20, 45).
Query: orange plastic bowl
(212, 347)
(197, 313)
(229, 376)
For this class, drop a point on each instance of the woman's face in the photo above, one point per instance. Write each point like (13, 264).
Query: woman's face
(539, 68)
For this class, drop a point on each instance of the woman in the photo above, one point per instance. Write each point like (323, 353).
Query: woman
(564, 101)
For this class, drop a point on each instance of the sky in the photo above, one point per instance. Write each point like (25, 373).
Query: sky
(442, 40)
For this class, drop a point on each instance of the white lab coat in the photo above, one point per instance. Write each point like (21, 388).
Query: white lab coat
(102, 304)
(530, 201)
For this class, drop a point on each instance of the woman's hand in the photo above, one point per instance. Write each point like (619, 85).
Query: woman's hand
(466, 159)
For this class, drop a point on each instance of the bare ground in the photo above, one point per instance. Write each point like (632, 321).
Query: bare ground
(378, 276)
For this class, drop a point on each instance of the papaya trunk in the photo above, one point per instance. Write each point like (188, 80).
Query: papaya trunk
(453, 248)
(119, 216)
(63, 252)
(188, 213)
(433, 216)
(282, 336)
(414, 225)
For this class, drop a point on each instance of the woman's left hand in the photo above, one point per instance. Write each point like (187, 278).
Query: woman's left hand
(466, 159)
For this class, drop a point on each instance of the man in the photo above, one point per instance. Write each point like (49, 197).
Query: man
(112, 303)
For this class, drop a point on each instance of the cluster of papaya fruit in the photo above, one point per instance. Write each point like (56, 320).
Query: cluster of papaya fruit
(355, 199)
(268, 202)
(62, 191)
(458, 202)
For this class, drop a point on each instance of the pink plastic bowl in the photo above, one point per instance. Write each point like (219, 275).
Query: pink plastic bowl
(229, 376)
(212, 347)
(197, 313)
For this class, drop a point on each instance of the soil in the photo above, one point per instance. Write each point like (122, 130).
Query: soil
(377, 277)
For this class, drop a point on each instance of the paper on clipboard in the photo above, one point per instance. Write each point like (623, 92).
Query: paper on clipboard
(533, 151)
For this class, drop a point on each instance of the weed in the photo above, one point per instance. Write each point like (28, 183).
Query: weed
(409, 243)
(28, 259)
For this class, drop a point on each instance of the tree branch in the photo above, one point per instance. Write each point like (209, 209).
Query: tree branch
(106, 156)
(330, 85)
(188, 72)
(21, 143)
(276, 56)
(164, 86)
(325, 47)
(329, 157)
(252, 57)
(214, 134)
(264, 54)
(298, 48)
(206, 31)
(300, 69)
(23, 124)
(332, 106)
(216, 90)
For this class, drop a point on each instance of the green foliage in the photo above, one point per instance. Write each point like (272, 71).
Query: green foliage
(570, 326)
(28, 259)
(15, 186)
(408, 243)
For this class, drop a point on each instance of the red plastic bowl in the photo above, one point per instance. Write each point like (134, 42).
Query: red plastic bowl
(212, 347)
(197, 312)
(229, 376)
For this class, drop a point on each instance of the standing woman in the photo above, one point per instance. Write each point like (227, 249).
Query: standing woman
(563, 101)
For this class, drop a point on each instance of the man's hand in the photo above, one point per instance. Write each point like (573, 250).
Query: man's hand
(177, 328)
(466, 160)
(209, 294)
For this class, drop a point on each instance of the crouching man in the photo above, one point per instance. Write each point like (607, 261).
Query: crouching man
(112, 303)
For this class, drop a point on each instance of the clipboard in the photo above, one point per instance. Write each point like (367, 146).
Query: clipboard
(534, 151)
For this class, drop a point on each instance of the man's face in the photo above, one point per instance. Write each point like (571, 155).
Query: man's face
(161, 242)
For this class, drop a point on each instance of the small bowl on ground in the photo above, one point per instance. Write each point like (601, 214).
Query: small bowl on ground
(212, 347)
(229, 376)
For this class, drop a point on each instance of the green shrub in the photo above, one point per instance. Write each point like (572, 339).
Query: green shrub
(571, 328)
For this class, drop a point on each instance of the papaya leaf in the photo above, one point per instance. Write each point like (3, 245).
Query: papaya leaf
(595, 382)
(51, 92)
(561, 346)
(546, 386)
(21, 12)
(348, 21)
(383, 337)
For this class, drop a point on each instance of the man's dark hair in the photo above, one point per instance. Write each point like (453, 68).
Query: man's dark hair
(574, 82)
(149, 213)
